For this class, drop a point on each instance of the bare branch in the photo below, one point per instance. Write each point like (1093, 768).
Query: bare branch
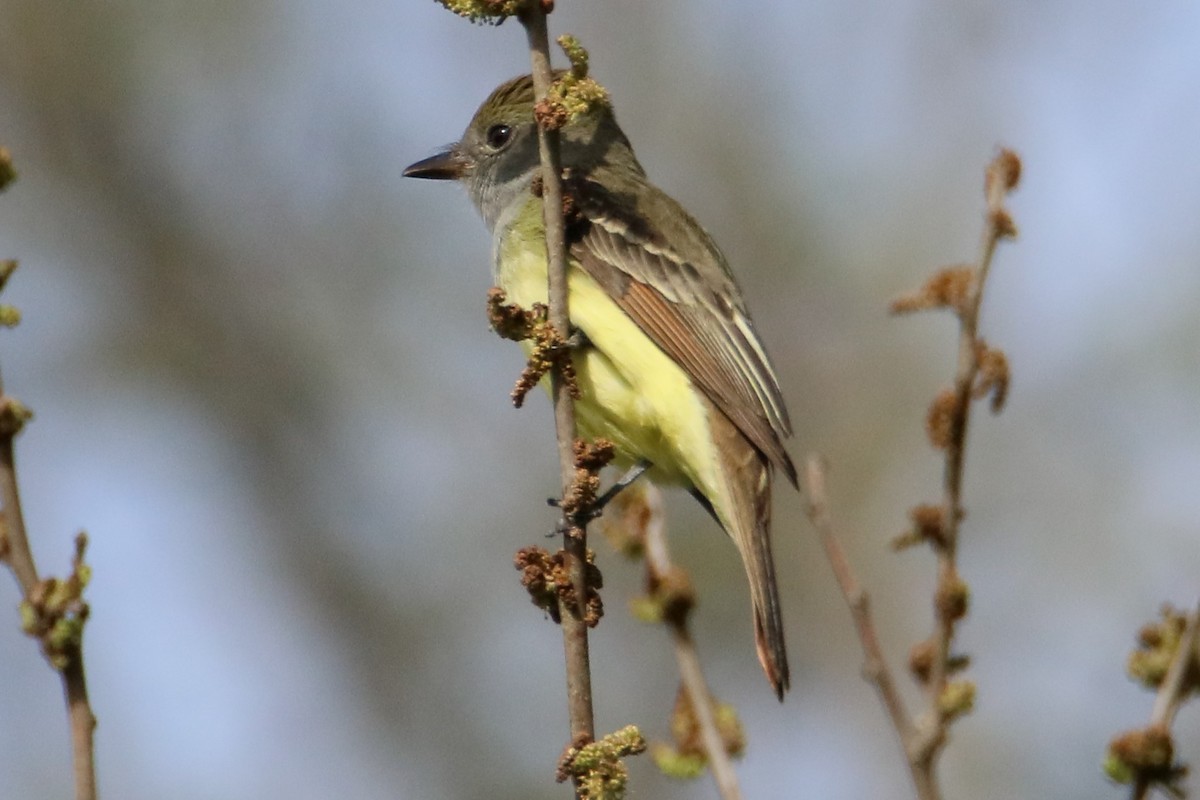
(875, 666)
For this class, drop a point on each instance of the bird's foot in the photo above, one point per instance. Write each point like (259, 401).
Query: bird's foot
(594, 509)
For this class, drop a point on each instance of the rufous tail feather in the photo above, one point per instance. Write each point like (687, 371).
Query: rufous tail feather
(746, 516)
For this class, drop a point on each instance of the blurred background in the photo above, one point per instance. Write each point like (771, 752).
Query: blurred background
(265, 386)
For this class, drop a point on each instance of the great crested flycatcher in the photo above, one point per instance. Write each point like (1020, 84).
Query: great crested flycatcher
(671, 369)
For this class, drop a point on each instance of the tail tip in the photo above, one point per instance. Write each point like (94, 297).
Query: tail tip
(773, 659)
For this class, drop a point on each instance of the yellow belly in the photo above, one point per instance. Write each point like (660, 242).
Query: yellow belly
(633, 393)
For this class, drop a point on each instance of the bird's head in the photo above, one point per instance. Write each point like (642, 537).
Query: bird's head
(497, 157)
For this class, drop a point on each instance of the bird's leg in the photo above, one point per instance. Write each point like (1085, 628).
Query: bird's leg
(597, 507)
(631, 475)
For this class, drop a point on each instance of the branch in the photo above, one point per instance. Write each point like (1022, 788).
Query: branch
(1174, 686)
(16, 542)
(671, 591)
(875, 666)
(52, 610)
(980, 371)
(572, 604)
(575, 637)
(997, 225)
(1168, 656)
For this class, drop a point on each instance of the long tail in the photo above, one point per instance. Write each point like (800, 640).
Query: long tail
(744, 511)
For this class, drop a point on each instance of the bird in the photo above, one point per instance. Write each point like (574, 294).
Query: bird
(670, 366)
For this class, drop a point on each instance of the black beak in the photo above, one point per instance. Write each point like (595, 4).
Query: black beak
(447, 165)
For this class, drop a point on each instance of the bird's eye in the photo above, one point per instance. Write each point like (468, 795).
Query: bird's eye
(498, 136)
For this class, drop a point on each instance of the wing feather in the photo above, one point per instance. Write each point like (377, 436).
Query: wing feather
(691, 308)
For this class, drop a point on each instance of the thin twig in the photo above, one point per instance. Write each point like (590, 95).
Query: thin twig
(1170, 694)
(980, 371)
(1001, 177)
(83, 726)
(1172, 690)
(875, 666)
(20, 559)
(17, 552)
(658, 562)
(575, 636)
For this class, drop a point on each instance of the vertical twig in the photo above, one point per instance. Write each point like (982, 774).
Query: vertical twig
(20, 559)
(575, 636)
(1001, 177)
(83, 726)
(964, 382)
(691, 674)
(16, 552)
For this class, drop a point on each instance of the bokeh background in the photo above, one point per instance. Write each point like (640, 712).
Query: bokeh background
(265, 386)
